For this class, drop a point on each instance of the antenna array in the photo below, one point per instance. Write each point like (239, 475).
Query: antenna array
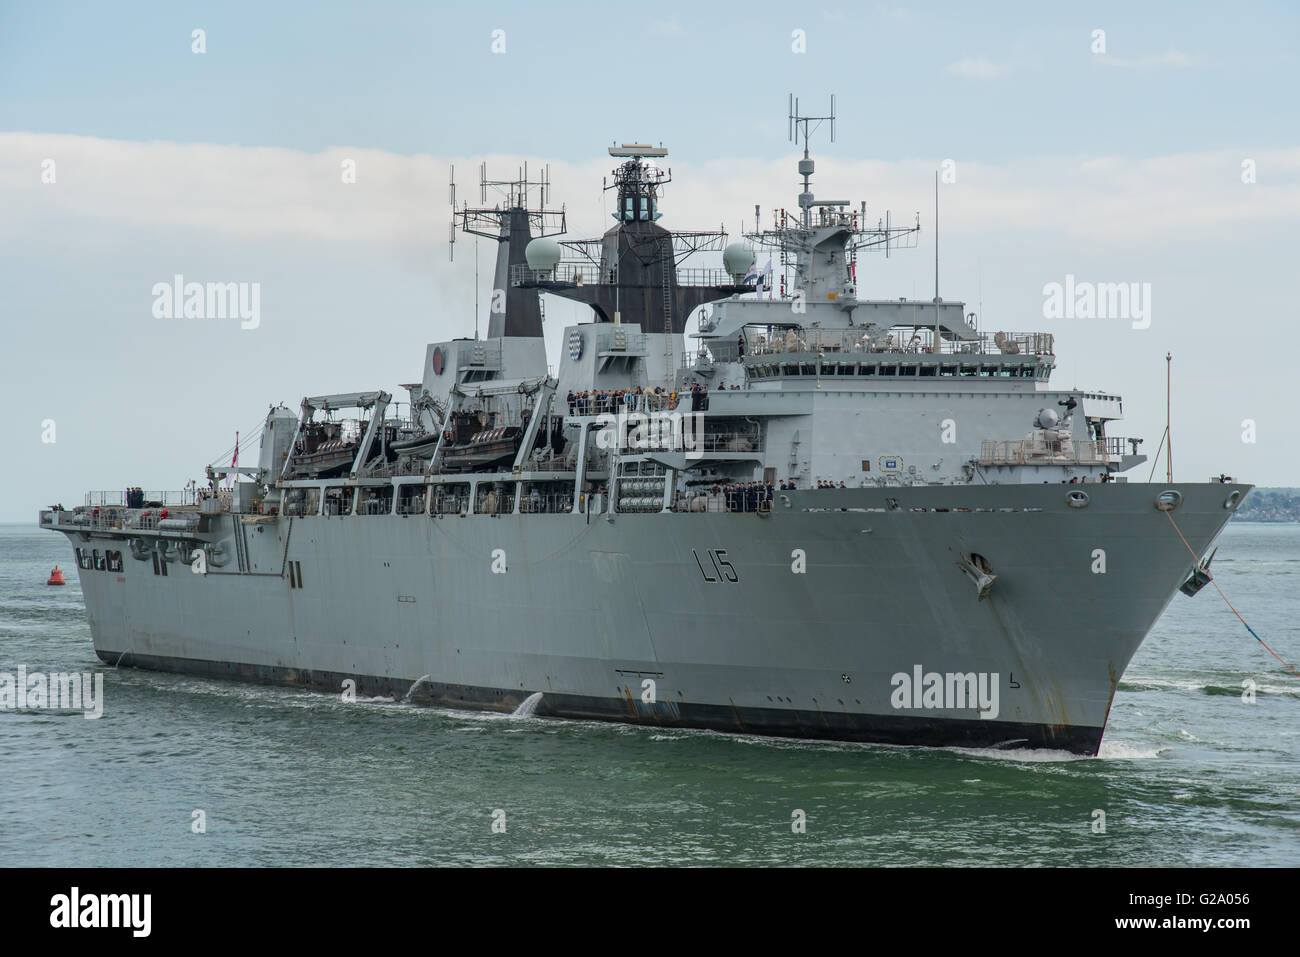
(792, 127)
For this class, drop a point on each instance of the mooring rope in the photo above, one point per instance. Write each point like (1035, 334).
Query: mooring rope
(1197, 558)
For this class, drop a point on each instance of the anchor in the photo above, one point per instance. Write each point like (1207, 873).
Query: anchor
(1200, 577)
(979, 571)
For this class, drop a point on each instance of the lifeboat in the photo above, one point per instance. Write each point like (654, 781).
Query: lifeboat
(487, 447)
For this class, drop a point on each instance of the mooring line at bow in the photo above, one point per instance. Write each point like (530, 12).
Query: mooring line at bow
(1228, 603)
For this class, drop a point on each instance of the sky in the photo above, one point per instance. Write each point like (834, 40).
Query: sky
(1163, 151)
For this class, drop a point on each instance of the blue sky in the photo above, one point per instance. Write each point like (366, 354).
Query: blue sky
(222, 166)
(419, 77)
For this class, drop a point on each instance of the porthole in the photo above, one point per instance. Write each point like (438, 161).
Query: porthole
(1169, 499)
(1233, 500)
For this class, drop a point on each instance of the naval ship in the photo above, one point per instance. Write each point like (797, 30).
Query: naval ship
(821, 515)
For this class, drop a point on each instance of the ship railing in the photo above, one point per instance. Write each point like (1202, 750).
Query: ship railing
(719, 351)
(106, 517)
(1114, 446)
(569, 273)
(403, 466)
(686, 440)
(579, 273)
(559, 463)
(613, 404)
(553, 503)
(706, 277)
(109, 518)
(97, 517)
(411, 499)
(1004, 343)
(900, 342)
(1037, 451)
(656, 402)
(735, 440)
(375, 505)
(450, 502)
(495, 498)
(706, 500)
(695, 360)
(699, 501)
(161, 499)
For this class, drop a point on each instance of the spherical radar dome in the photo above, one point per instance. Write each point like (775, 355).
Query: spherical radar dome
(737, 258)
(543, 254)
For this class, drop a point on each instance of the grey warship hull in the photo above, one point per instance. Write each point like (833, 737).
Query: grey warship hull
(637, 618)
(833, 517)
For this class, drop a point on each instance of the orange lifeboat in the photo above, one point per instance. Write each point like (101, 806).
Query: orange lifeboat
(56, 577)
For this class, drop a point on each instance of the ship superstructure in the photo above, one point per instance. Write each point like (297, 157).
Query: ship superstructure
(830, 516)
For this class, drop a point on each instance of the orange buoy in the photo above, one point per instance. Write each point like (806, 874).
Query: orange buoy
(56, 577)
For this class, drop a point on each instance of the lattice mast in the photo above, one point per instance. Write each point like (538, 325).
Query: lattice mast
(821, 243)
(519, 216)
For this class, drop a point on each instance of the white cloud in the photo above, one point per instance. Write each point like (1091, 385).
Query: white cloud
(979, 68)
(224, 193)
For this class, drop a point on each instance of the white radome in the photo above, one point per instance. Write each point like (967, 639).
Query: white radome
(543, 254)
(737, 258)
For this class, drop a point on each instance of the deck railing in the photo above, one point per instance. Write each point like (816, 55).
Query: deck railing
(184, 496)
(1040, 452)
(589, 273)
(899, 342)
